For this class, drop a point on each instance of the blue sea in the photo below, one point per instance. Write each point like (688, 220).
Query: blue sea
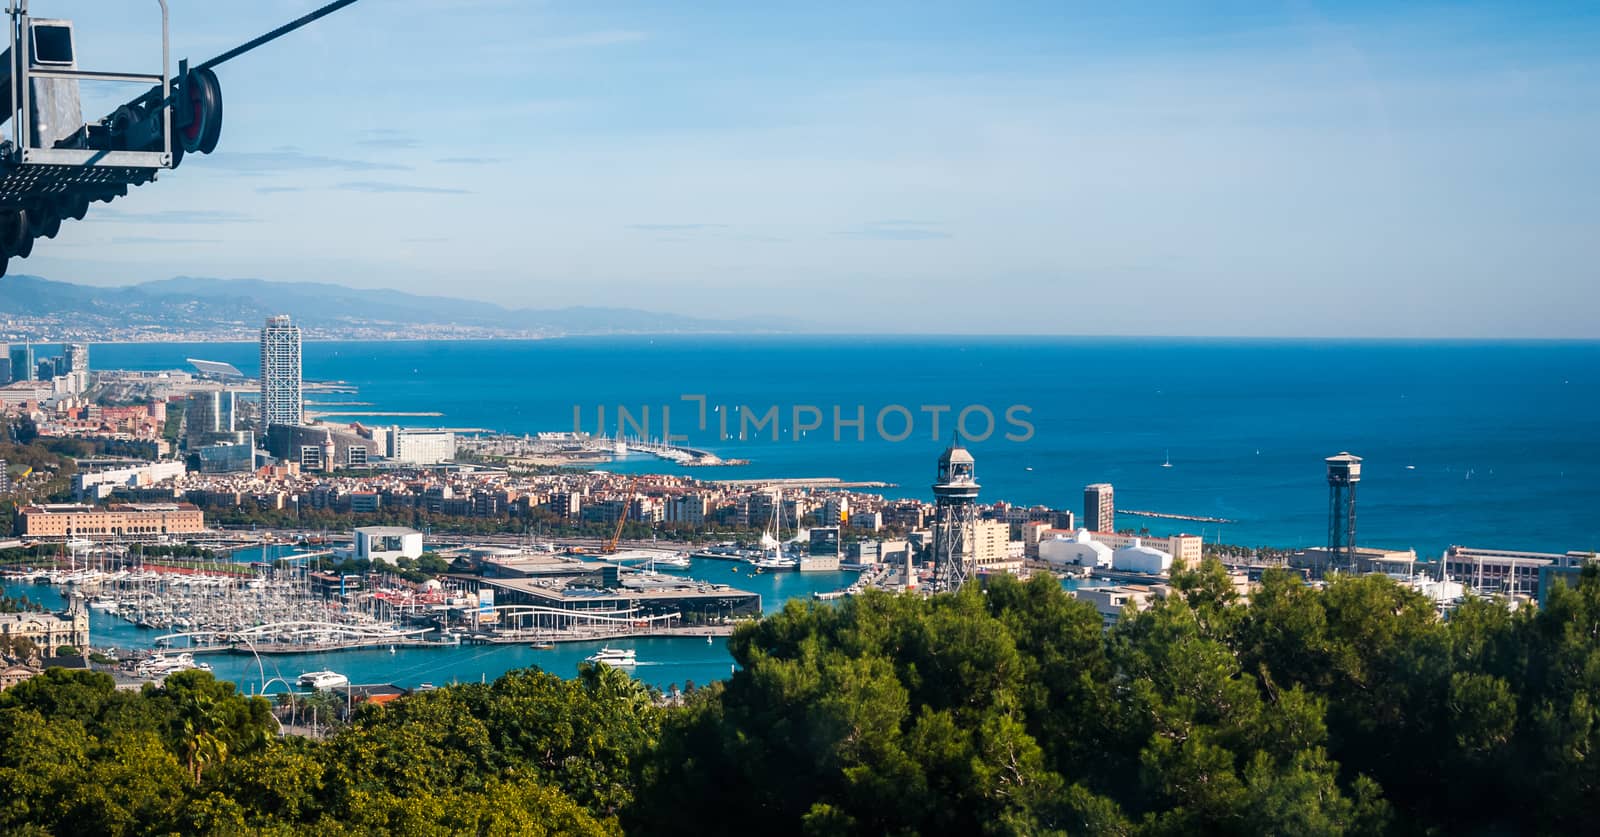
(1475, 443)
(1483, 444)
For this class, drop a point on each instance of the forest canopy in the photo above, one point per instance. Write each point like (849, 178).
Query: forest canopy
(1005, 710)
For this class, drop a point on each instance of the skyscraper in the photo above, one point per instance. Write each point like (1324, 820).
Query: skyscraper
(281, 400)
(22, 366)
(1099, 508)
(77, 357)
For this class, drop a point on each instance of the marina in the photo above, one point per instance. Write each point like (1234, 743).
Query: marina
(666, 655)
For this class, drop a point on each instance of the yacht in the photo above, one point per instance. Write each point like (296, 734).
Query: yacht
(676, 561)
(161, 665)
(542, 645)
(324, 679)
(613, 657)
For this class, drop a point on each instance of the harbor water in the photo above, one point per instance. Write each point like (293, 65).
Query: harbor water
(663, 662)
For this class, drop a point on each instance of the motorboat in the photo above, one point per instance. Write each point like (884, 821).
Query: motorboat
(614, 657)
(161, 665)
(676, 561)
(324, 679)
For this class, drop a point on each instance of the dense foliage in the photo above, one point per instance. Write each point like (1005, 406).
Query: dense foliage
(1354, 709)
(79, 757)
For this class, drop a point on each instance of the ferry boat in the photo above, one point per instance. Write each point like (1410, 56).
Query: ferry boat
(324, 679)
(613, 657)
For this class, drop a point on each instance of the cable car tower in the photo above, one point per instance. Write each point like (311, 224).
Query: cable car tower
(53, 165)
(955, 498)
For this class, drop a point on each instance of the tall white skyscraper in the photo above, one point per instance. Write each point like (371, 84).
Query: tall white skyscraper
(281, 399)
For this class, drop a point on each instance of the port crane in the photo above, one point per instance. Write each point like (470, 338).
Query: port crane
(54, 166)
(610, 546)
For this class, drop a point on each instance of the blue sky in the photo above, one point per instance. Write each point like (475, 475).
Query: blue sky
(1191, 168)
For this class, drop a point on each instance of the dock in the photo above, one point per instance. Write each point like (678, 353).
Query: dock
(1192, 518)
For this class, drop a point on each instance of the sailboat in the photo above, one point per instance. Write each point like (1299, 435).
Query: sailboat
(772, 557)
(1168, 463)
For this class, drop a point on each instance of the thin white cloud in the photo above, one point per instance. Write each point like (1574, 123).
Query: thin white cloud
(588, 40)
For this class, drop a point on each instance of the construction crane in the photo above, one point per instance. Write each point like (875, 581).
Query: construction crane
(610, 546)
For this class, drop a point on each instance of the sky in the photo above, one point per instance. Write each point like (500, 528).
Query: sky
(1160, 168)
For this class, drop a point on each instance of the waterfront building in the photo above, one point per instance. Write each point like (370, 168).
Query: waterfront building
(822, 553)
(1508, 571)
(127, 521)
(1187, 548)
(1078, 550)
(51, 632)
(282, 401)
(414, 446)
(1099, 508)
(1138, 558)
(867, 553)
(604, 598)
(1367, 559)
(1549, 575)
(389, 543)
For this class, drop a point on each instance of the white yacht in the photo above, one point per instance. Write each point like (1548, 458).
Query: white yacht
(324, 679)
(613, 657)
(675, 561)
(161, 665)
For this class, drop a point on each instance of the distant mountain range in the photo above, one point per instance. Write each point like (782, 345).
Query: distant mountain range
(187, 308)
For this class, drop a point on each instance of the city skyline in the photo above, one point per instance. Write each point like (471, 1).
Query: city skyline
(1255, 169)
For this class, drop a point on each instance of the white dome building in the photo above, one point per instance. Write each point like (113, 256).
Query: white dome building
(1080, 550)
(1139, 558)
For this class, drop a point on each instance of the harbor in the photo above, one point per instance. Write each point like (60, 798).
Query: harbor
(371, 642)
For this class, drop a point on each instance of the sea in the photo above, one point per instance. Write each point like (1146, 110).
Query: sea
(1486, 444)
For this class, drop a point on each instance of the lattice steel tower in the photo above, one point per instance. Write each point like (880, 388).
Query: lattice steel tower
(1344, 471)
(955, 498)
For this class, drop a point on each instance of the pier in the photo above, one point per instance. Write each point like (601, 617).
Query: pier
(1193, 518)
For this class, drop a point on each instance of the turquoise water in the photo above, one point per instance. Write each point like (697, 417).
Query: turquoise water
(663, 662)
(1489, 444)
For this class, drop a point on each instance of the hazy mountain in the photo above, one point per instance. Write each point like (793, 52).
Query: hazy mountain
(189, 304)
